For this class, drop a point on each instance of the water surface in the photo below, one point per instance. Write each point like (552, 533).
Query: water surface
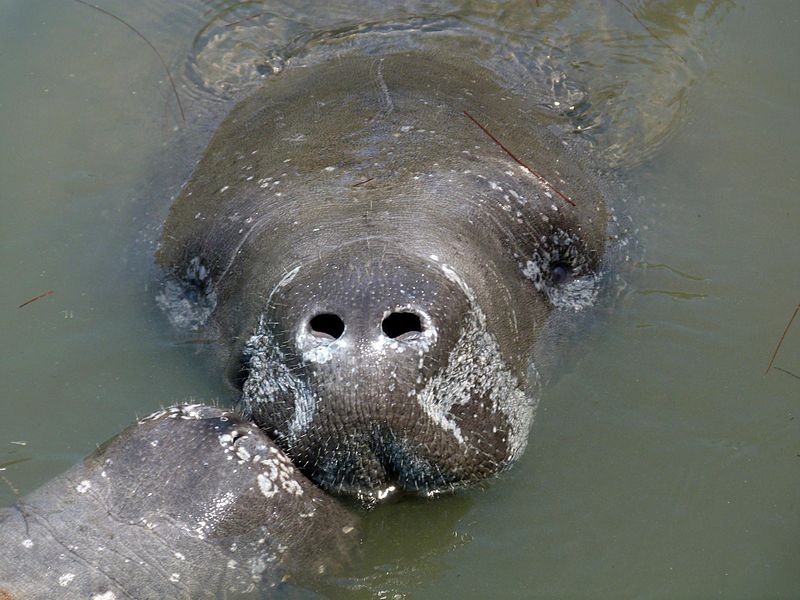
(663, 462)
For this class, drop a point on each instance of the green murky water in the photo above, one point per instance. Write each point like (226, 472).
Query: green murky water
(662, 464)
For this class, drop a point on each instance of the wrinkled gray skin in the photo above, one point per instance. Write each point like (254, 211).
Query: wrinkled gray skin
(191, 502)
(359, 188)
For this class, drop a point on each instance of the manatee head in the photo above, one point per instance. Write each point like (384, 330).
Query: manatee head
(382, 273)
(377, 371)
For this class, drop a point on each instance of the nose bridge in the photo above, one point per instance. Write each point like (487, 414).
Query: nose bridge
(371, 291)
(360, 311)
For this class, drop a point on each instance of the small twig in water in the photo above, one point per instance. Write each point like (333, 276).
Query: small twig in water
(780, 341)
(39, 297)
(650, 31)
(196, 341)
(146, 41)
(518, 161)
(10, 485)
(362, 182)
(787, 372)
(5, 465)
(245, 20)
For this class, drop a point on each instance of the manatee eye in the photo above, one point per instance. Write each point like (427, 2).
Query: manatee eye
(326, 325)
(560, 273)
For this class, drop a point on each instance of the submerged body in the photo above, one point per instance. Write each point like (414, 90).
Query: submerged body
(379, 270)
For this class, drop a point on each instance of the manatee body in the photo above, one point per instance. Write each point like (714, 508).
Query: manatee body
(191, 502)
(381, 269)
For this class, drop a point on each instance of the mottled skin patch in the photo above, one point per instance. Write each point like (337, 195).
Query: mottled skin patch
(357, 187)
(186, 517)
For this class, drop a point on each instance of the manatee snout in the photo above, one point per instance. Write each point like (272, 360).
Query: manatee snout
(354, 371)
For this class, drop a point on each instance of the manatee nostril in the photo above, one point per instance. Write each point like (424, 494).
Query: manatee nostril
(401, 325)
(327, 325)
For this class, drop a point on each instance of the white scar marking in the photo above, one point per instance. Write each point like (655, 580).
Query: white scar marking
(84, 486)
(285, 280)
(266, 485)
(304, 405)
(257, 568)
(271, 377)
(214, 513)
(66, 579)
(460, 381)
(254, 225)
(292, 487)
(179, 411)
(269, 373)
(319, 354)
(278, 474)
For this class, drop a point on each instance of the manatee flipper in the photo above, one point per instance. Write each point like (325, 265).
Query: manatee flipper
(191, 502)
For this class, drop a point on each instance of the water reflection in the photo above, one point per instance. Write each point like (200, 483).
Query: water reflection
(618, 71)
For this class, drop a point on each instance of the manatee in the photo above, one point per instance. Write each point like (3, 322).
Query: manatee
(383, 246)
(190, 502)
